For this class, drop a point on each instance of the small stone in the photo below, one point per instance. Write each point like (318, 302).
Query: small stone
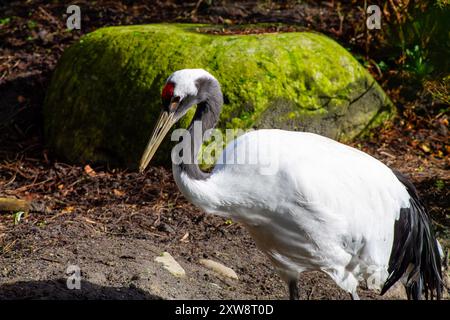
(215, 285)
(219, 268)
(171, 265)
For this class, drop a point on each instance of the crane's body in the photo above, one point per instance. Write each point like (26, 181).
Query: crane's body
(309, 202)
(302, 217)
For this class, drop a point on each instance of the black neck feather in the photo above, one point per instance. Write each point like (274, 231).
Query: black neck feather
(207, 114)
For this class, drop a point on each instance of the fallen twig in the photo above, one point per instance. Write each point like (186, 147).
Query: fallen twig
(11, 204)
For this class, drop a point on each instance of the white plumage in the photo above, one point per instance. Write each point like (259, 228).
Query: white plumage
(329, 207)
(185, 80)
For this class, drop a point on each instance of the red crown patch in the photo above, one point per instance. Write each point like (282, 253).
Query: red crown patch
(167, 92)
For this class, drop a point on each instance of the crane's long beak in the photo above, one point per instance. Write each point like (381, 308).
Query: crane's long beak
(163, 125)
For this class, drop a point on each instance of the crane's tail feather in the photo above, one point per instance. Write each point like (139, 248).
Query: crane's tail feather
(415, 255)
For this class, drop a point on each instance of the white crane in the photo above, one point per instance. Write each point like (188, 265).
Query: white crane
(327, 207)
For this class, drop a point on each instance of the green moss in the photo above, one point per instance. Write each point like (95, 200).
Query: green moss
(105, 93)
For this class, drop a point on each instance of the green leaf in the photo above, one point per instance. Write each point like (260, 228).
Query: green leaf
(31, 24)
(17, 217)
(5, 21)
(440, 184)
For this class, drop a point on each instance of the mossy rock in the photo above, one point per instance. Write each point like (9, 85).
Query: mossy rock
(104, 96)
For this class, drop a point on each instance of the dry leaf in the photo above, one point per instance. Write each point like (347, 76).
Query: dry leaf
(425, 148)
(89, 220)
(118, 193)
(185, 237)
(68, 209)
(90, 172)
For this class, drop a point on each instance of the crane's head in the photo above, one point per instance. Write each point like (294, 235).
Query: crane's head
(183, 89)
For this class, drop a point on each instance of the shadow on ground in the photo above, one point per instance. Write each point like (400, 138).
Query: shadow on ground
(57, 289)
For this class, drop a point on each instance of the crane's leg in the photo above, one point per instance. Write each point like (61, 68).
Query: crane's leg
(293, 290)
(354, 296)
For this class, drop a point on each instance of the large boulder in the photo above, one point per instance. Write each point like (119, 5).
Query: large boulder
(104, 96)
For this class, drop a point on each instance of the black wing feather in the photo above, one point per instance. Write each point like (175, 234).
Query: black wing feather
(415, 251)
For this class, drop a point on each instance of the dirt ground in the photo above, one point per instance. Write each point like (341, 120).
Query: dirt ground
(112, 223)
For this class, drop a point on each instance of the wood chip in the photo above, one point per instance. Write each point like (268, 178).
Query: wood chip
(185, 237)
(219, 268)
(89, 171)
(118, 193)
(14, 205)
